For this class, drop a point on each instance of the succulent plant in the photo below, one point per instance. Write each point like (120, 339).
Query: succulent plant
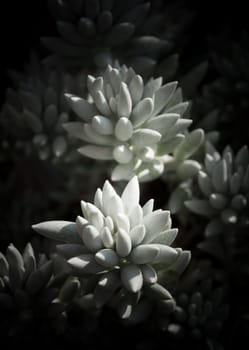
(223, 185)
(225, 99)
(32, 297)
(201, 307)
(135, 124)
(119, 244)
(138, 33)
(35, 109)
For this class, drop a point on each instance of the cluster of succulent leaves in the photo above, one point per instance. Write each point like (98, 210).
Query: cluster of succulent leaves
(113, 100)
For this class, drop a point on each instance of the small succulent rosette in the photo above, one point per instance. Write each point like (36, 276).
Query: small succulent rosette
(93, 33)
(201, 307)
(228, 92)
(137, 125)
(223, 190)
(35, 109)
(32, 296)
(119, 245)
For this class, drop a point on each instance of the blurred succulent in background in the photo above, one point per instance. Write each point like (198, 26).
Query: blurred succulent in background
(23, 210)
(135, 124)
(227, 93)
(35, 109)
(139, 33)
(22, 189)
(32, 298)
(223, 186)
(201, 307)
(120, 245)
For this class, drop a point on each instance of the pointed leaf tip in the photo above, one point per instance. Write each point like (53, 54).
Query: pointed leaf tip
(65, 231)
(131, 194)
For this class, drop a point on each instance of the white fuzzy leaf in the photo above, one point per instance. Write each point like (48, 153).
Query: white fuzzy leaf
(102, 125)
(107, 257)
(136, 88)
(163, 95)
(91, 238)
(137, 234)
(166, 237)
(145, 137)
(155, 223)
(65, 231)
(144, 254)
(131, 194)
(124, 102)
(148, 207)
(81, 107)
(123, 243)
(142, 111)
(123, 129)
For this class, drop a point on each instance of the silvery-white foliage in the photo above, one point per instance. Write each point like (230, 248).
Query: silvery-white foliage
(35, 109)
(31, 293)
(120, 245)
(182, 176)
(138, 125)
(93, 33)
(223, 186)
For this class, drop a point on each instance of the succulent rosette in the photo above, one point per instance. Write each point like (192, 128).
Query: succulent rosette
(120, 244)
(143, 34)
(35, 109)
(138, 125)
(223, 195)
(201, 307)
(32, 294)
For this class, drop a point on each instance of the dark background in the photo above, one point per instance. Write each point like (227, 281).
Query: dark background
(22, 23)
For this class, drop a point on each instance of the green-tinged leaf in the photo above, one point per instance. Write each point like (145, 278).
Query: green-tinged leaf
(190, 144)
